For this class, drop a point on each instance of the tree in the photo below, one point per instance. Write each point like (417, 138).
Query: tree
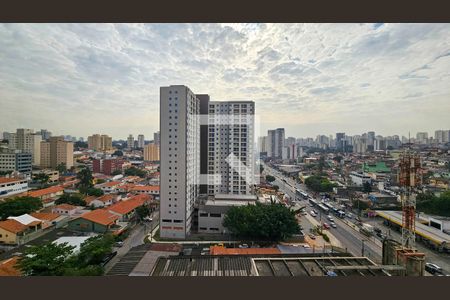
(116, 172)
(319, 184)
(133, 171)
(61, 168)
(367, 187)
(270, 178)
(3, 173)
(85, 177)
(94, 250)
(45, 260)
(94, 192)
(142, 212)
(118, 153)
(431, 204)
(41, 178)
(81, 145)
(273, 222)
(276, 187)
(73, 199)
(19, 206)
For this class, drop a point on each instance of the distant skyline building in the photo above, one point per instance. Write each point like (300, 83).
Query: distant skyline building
(99, 142)
(45, 134)
(141, 141)
(130, 142)
(275, 143)
(157, 138)
(151, 152)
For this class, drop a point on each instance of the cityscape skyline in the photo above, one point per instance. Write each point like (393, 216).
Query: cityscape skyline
(307, 78)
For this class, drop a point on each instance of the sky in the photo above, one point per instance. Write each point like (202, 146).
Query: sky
(311, 79)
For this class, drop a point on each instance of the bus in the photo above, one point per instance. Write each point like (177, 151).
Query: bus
(329, 206)
(341, 214)
(299, 192)
(324, 208)
(312, 201)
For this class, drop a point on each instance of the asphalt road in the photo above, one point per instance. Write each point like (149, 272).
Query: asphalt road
(351, 239)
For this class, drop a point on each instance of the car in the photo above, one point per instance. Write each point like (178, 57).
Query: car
(326, 226)
(315, 211)
(243, 246)
(433, 268)
(312, 236)
(330, 218)
(107, 258)
(306, 246)
(333, 225)
(118, 244)
(349, 215)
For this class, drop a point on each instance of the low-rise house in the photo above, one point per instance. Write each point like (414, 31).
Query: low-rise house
(102, 201)
(12, 186)
(13, 232)
(99, 221)
(146, 189)
(109, 187)
(65, 209)
(47, 193)
(125, 209)
(9, 267)
(48, 219)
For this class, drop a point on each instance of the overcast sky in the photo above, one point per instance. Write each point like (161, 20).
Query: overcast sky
(311, 79)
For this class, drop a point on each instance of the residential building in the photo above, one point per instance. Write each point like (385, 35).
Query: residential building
(231, 147)
(422, 138)
(52, 174)
(12, 231)
(99, 142)
(340, 141)
(9, 267)
(146, 189)
(12, 186)
(290, 141)
(359, 178)
(99, 221)
(130, 142)
(157, 138)
(15, 160)
(275, 143)
(180, 159)
(107, 165)
(56, 151)
(125, 209)
(47, 193)
(45, 134)
(102, 201)
(65, 209)
(11, 137)
(442, 136)
(141, 141)
(262, 142)
(151, 152)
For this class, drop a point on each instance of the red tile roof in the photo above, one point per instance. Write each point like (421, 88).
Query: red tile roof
(65, 206)
(145, 188)
(100, 216)
(111, 184)
(46, 191)
(13, 226)
(106, 198)
(8, 180)
(45, 216)
(127, 206)
(9, 267)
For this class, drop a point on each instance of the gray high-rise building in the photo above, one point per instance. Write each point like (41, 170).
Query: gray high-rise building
(141, 141)
(130, 142)
(157, 138)
(275, 143)
(180, 160)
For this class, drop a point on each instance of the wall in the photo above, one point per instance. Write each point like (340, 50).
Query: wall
(7, 237)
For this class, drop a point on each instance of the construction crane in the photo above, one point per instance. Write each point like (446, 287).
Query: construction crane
(409, 178)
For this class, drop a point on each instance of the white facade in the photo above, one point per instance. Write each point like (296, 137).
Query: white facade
(180, 159)
(9, 187)
(231, 132)
(359, 179)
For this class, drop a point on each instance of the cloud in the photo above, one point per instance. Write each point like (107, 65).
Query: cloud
(84, 78)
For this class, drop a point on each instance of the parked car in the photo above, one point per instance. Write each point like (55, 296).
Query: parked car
(312, 236)
(108, 257)
(118, 244)
(330, 218)
(433, 268)
(243, 246)
(326, 226)
(333, 225)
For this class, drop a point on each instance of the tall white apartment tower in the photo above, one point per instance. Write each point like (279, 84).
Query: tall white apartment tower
(130, 142)
(231, 147)
(180, 159)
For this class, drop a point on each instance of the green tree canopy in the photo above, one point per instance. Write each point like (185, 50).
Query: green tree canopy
(133, 171)
(431, 204)
(319, 184)
(142, 212)
(73, 199)
(93, 250)
(273, 222)
(116, 172)
(41, 178)
(86, 179)
(19, 206)
(61, 168)
(45, 260)
(94, 192)
(270, 178)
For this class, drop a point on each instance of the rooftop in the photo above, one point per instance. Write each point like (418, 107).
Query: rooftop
(13, 226)
(9, 180)
(45, 216)
(8, 267)
(100, 216)
(46, 191)
(127, 206)
(65, 206)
